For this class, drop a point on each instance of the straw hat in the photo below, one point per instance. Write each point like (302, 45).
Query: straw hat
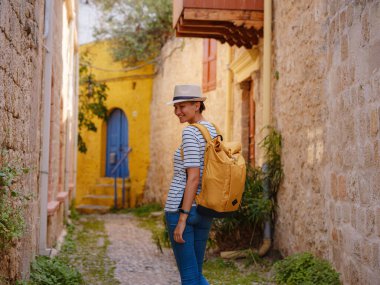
(185, 93)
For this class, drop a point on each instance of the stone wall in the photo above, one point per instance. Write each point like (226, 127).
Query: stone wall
(181, 64)
(21, 28)
(326, 105)
(21, 118)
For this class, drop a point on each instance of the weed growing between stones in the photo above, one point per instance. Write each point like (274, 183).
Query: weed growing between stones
(220, 271)
(12, 201)
(304, 268)
(53, 271)
(85, 248)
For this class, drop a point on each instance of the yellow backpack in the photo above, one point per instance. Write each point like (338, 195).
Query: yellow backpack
(223, 178)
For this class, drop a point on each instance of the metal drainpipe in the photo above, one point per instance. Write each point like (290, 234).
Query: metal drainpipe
(69, 116)
(229, 99)
(75, 116)
(267, 108)
(45, 155)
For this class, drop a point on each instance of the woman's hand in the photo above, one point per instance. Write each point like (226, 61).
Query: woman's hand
(178, 231)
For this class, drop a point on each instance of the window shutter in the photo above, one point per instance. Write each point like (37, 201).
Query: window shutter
(209, 65)
(205, 65)
(212, 66)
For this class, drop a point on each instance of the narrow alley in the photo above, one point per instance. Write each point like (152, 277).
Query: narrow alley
(117, 249)
(100, 107)
(137, 259)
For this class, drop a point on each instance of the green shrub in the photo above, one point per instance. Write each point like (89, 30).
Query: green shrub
(305, 269)
(146, 210)
(52, 271)
(257, 206)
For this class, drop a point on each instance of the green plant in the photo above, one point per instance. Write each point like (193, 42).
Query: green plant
(146, 210)
(53, 271)
(12, 201)
(92, 98)
(137, 30)
(257, 206)
(305, 269)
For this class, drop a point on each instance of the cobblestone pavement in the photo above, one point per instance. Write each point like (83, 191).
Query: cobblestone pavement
(138, 260)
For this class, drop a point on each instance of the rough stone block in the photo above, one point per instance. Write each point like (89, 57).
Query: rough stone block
(375, 258)
(353, 216)
(354, 273)
(356, 249)
(346, 213)
(361, 220)
(374, 121)
(370, 222)
(338, 214)
(353, 188)
(375, 188)
(378, 221)
(337, 257)
(374, 57)
(365, 29)
(334, 186)
(342, 192)
(364, 190)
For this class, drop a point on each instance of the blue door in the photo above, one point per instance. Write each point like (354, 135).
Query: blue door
(117, 143)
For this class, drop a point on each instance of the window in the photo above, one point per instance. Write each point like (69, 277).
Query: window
(209, 65)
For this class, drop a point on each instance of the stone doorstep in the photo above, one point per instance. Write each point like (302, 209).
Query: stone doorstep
(52, 207)
(71, 187)
(92, 209)
(110, 180)
(108, 189)
(62, 196)
(103, 200)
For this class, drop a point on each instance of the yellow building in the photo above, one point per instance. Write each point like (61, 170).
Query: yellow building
(127, 128)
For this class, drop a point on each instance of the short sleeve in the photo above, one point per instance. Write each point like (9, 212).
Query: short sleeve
(191, 148)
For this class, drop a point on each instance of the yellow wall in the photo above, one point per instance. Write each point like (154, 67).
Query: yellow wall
(130, 92)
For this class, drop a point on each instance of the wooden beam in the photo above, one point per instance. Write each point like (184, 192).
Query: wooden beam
(222, 15)
(232, 38)
(192, 35)
(257, 25)
(257, 5)
(251, 34)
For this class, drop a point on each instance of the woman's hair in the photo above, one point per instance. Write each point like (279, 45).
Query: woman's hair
(202, 107)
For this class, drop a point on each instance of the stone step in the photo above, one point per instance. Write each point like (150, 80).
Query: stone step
(103, 200)
(92, 209)
(110, 180)
(107, 189)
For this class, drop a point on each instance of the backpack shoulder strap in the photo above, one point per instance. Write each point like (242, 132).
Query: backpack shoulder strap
(204, 131)
(218, 132)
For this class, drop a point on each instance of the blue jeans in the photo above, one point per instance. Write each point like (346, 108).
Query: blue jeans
(189, 255)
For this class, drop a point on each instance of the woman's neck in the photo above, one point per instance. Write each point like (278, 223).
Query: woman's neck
(196, 119)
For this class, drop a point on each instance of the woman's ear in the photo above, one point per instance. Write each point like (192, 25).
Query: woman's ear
(197, 106)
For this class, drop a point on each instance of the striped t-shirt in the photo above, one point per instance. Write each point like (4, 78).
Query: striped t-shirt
(193, 145)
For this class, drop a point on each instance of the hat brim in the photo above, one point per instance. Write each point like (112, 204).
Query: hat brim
(200, 99)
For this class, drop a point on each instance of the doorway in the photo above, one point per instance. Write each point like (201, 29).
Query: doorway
(117, 144)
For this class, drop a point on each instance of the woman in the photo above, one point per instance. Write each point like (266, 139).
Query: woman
(188, 230)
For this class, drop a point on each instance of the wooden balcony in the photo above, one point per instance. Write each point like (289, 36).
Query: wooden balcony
(236, 22)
